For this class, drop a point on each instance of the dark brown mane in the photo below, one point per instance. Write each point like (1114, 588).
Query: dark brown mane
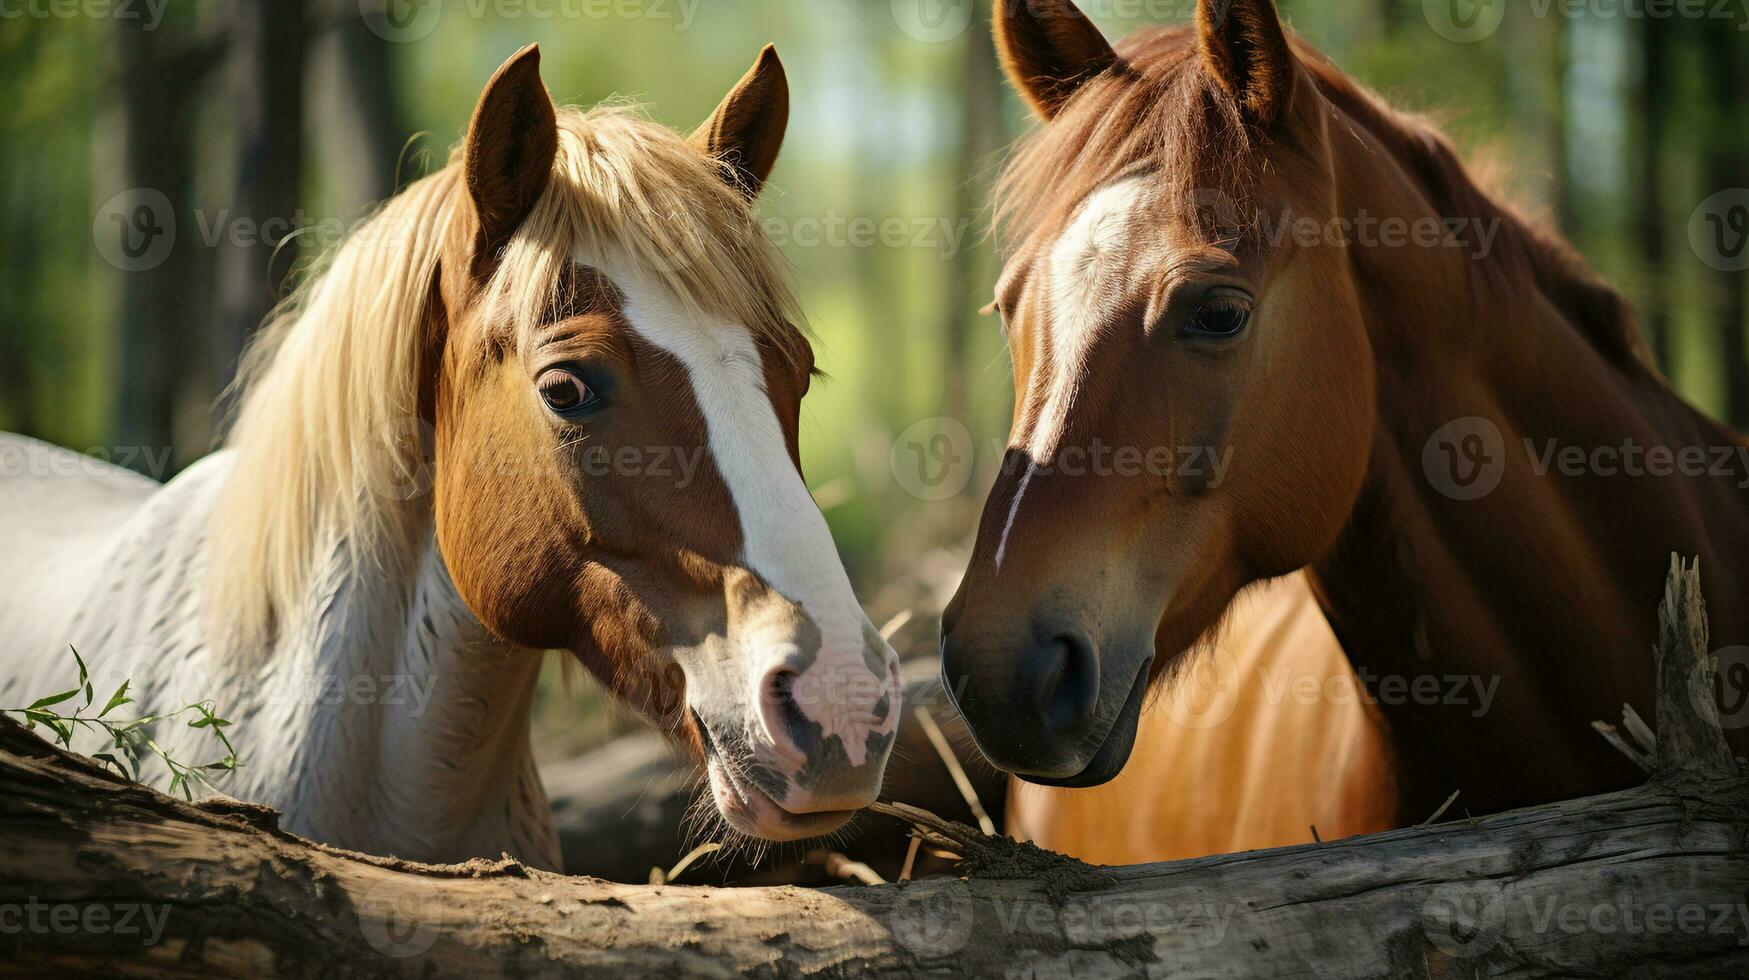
(1160, 107)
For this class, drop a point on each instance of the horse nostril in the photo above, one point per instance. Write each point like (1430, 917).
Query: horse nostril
(785, 723)
(1060, 679)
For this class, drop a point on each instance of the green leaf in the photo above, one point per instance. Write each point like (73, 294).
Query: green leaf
(84, 675)
(116, 700)
(200, 723)
(53, 721)
(52, 699)
(89, 694)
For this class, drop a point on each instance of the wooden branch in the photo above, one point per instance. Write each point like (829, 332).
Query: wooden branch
(1689, 737)
(1646, 882)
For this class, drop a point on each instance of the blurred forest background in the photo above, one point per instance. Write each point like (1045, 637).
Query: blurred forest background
(254, 132)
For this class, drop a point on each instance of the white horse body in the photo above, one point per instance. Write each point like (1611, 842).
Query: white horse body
(386, 720)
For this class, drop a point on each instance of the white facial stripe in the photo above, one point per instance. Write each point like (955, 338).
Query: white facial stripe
(1081, 265)
(785, 537)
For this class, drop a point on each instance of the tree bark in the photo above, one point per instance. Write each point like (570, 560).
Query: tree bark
(1648, 882)
(99, 875)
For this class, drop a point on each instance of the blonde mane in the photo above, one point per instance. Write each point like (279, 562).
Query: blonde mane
(330, 450)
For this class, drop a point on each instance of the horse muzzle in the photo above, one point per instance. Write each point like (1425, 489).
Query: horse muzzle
(1055, 713)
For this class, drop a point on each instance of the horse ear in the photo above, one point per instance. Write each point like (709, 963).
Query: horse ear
(1245, 48)
(1048, 48)
(747, 129)
(510, 146)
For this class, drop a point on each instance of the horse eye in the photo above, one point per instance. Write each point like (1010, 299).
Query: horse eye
(1220, 317)
(564, 392)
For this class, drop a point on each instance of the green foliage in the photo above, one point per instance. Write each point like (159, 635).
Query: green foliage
(131, 739)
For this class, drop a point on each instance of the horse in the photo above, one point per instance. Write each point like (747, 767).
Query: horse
(1261, 322)
(546, 398)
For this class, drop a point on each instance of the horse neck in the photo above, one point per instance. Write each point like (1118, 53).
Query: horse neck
(1545, 586)
(428, 713)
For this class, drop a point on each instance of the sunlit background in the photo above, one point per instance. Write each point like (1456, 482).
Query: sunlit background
(1622, 127)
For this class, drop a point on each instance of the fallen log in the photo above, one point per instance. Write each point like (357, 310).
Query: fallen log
(99, 875)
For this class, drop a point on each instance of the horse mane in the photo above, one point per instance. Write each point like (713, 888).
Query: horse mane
(331, 452)
(1161, 108)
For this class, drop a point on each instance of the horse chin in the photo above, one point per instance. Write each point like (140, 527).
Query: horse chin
(749, 810)
(1108, 760)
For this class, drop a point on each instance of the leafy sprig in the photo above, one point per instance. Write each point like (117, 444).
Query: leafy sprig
(131, 739)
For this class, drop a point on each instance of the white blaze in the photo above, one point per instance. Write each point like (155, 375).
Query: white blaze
(1080, 294)
(785, 537)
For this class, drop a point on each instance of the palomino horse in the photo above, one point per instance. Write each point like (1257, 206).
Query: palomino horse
(1221, 247)
(581, 321)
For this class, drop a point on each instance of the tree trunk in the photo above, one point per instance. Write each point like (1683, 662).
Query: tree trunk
(1652, 104)
(99, 875)
(1727, 166)
(266, 88)
(358, 100)
(146, 229)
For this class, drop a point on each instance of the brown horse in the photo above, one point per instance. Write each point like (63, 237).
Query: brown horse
(1262, 322)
